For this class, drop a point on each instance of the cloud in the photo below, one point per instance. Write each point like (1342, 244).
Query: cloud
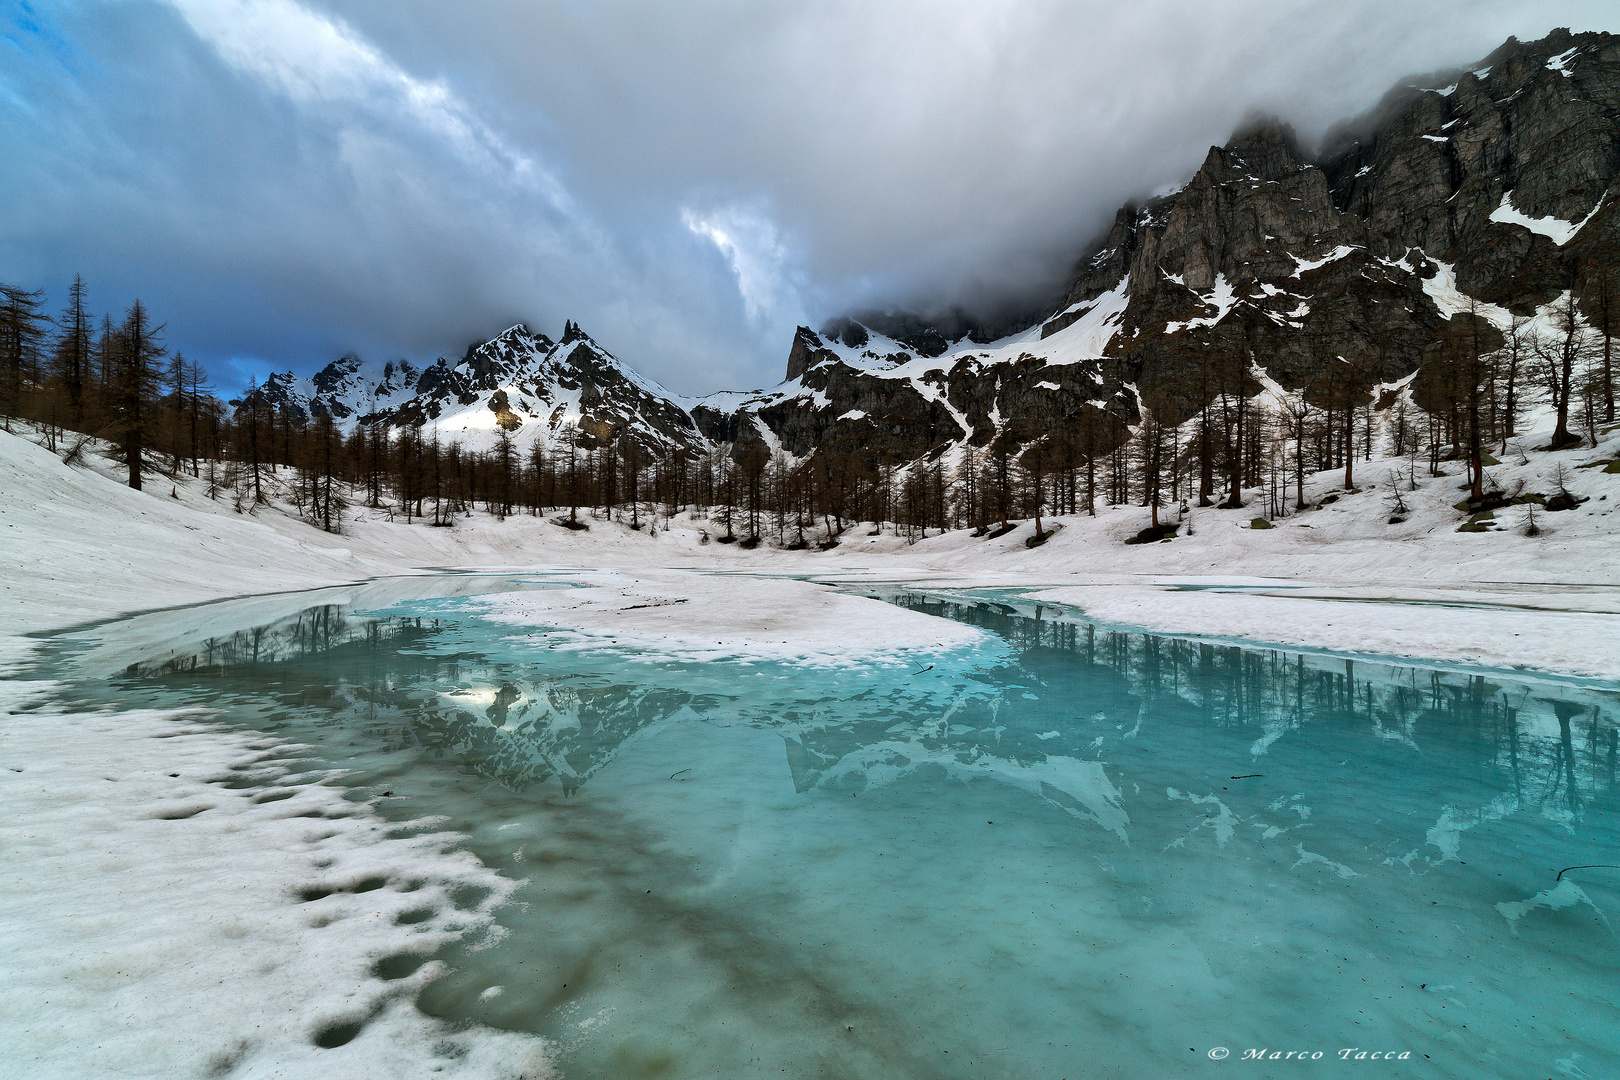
(757, 256)
(285, 180)
(317, 60)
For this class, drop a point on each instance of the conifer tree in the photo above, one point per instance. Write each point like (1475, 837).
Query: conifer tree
(136, 388)
(22, 335)
(73, 346)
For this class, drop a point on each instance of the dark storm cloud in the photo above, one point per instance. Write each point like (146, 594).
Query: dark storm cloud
(284, 180)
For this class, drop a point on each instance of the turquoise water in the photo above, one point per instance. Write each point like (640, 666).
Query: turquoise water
(1088, 853)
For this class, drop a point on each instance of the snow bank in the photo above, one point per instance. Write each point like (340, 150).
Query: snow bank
(171, 945)
(160, 921)
(1395, 622)
(1340, 577)
(721, 617)
(80, 546)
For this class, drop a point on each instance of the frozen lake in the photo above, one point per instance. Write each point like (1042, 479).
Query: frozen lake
(1077, 853)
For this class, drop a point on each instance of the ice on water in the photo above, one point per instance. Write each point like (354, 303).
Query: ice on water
(1079, 852)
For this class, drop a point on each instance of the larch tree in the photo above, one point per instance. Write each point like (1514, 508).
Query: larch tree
(137, 384)
(73, 351)
(22, 336)
(1516, 346)
(1602, 307)
(1559, 358)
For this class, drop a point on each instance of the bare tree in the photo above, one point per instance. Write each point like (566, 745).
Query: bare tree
(73, 346)
(1033, 464)
(1603, 311)
(1477, 374)
(22, 335)
(503, 459)
(137, 382)
(1519, 342)
(630, 450)
(1559, 358)
(1299, 411)
(1151, 451)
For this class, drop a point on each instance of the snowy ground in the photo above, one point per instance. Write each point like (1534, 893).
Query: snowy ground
(183, 934)
(1338, 577)
(238, 980)
(708, 617)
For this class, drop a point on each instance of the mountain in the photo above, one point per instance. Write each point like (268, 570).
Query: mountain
(526, 384)
(344, 390)
(1477, 194)
(519, 382)
(1487, 188)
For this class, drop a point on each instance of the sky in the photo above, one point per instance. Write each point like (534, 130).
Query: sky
(286, 181)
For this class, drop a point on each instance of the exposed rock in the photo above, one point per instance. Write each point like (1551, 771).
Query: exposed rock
(1331, 275)
(519, 382)
(1321, 272)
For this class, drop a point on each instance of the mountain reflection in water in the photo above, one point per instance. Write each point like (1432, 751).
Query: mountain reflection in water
(1023, 856)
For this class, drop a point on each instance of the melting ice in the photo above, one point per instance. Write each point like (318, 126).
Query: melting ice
(1079, 853)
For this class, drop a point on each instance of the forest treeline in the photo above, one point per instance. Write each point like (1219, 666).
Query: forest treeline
(90, 381)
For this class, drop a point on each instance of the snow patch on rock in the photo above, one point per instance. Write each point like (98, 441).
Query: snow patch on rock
(1557, 230)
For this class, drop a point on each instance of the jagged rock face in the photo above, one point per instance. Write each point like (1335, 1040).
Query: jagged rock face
(444, 388)
(876, 399)
(862, 409)
(345, 387)
(524, 383)
(1349, 270)
(1100, 273)
(1330, 275)
(279, 394)
(1536, 122)
(520, 383)
(1252, 204)
(342, 390)
(931, 335)
(1252, 263)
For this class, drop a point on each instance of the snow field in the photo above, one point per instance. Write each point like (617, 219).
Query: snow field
(1546, 602)
(178, 899)
(79, 546)
(679, 615)
(172, 946)
(1566, 642)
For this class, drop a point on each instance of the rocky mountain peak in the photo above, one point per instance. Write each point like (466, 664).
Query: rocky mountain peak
(1491, 184)
(847, 330)
(333, 376)
(278, 393)
(1267, 146)
(805, 344)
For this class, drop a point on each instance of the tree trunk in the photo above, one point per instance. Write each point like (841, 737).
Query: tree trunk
(1349, 440)
(1236, 463)
(1299, 461)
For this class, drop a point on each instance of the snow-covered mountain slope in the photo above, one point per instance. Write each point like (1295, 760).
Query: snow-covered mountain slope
(348, 387)
(345, 390)
(862, 391)
(518, 382)
(533, 388)
(1485, 191)
(1487, 188)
